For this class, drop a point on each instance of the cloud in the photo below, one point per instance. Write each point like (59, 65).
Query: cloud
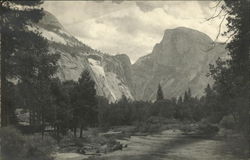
(131, 27)
(147, 6)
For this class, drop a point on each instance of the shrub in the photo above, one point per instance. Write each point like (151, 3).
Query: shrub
(16, 146)
(12, 143)
(215, 118)
(39, 147)
(151, 125)
(227, 122)
(207, 129)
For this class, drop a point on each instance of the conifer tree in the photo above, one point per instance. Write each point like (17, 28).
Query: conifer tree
(187, 95)
(24, 53)
(84, 102)
(232, 77)
(210, 105)
(159, 95)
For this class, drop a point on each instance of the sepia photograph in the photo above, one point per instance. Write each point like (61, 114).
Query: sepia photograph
(125, 80)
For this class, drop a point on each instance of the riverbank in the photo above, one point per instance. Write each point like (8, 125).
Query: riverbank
(171, 144)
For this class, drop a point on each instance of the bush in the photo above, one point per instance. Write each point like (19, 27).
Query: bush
(39, 147)
(215, 118)
(227, 122)
(12, 143)
(16, 146)
(207, 129)
(148, 128)
(151, 125)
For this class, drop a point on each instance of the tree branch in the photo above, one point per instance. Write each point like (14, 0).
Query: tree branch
(219, 32)
(215, 16)
(216, 6)
(230, 36)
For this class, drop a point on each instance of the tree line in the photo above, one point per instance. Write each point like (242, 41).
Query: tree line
(183, 108)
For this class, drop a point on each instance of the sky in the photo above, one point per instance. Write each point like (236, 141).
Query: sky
(133, 27)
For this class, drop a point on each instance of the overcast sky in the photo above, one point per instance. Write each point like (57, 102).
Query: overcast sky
(132, 27)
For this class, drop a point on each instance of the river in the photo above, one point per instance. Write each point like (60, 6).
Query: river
(169, 145)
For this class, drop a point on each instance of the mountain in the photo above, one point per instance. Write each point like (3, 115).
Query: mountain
(112, 74)
(180, 61)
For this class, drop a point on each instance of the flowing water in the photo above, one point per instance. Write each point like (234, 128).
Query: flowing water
(169, 145)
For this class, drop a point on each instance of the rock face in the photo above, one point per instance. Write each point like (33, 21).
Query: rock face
(112, 74)
(180, 61)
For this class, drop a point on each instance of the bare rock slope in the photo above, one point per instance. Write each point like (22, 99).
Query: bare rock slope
(180, 61)
(112, 74)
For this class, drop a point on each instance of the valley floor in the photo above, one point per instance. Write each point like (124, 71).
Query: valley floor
(169, 145)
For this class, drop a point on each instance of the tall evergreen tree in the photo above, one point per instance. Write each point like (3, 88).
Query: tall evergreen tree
(60, 114)
(180, 100)
(24, 53)
(232, 77)
(159, 95)
(210, 106)
(84, 102)
(187, 95)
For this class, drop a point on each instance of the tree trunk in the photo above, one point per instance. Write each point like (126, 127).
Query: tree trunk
(32, 117)
(4, 108)
(248, 147)
(43, 125)
(74, 131)
(81, 129)
(57, 133)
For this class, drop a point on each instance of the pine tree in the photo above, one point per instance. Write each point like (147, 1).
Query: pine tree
(60, 114)
(208, 90)
(232, 77)
(84, 102)
(210, 108)
(187, 95)
(239, 65)
(179, 101)
(159, 95)
(123, 105)
(24, 53)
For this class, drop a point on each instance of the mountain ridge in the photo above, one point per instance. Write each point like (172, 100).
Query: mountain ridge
(178, 62)
(109, 72)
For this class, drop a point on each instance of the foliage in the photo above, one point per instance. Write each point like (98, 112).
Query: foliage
(16, 146)
(148, 127)
(228, 122)
(232, 81)
(159, 95)
(84, 102)
(60, 115)
(163, 108)
(125, 112)
(208, 130)
(27, 60)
